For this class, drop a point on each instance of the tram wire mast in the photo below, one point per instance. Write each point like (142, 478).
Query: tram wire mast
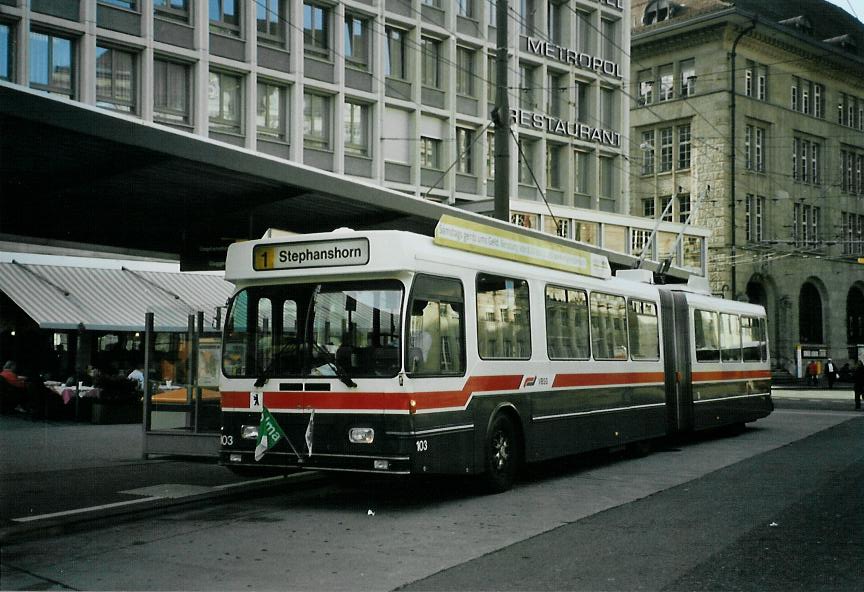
(501, 116)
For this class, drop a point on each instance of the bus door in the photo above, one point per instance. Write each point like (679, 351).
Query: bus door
(676, 356)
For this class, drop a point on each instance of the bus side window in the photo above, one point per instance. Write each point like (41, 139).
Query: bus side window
(730, 338)
(608, 326)
(567, 336)
(705, 326)
(753, 338)
(644, 330)
(436, 329)
(503, 318)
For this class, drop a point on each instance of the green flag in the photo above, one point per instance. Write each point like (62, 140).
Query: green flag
(269, 433)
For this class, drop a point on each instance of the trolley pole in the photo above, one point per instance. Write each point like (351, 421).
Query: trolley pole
(501, 116)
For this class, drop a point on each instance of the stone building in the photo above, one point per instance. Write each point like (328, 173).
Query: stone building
(749, 116)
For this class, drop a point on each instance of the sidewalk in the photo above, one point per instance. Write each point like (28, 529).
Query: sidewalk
(56, 473)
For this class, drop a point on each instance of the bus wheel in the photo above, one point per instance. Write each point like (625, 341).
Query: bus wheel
(502, 453)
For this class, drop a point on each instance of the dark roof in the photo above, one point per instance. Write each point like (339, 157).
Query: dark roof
(828, 20)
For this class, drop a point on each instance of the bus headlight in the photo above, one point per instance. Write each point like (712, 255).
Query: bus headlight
(249, 432)
(361, 435)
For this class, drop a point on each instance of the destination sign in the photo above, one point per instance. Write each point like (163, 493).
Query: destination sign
(303, 255)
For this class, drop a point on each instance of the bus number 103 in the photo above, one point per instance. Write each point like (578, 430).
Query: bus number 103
(422, 445)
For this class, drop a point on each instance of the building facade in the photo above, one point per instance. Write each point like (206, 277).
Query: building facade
(396, 92)
(749, 115)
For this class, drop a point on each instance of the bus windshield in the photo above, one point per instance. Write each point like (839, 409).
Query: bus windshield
(346, 330)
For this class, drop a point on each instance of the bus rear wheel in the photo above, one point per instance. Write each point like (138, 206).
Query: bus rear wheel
(502, 454)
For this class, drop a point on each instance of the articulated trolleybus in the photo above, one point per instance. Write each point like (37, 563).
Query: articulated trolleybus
(469, 353)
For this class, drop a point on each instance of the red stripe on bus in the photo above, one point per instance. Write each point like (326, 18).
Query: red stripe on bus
(606, 379)
(376, 400)
(715, 375)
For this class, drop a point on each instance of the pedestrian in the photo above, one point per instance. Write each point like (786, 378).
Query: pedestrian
(830, 373)
(138, 375)
(858, 383)
(812, 373)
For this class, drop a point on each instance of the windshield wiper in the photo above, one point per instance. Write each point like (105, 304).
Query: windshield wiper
(341, 373)
(267, 372)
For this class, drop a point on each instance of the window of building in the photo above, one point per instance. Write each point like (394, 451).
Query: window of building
(127, 4)
(491, 77)
(51, 63)
(465, 146)
(177, 10)
(503, 318)
(567, 334)
(807, 161)
(609, 39)
(316, 29)
(6, 54)
(356, 119)
(754, 209)
(754, 148)
(394, 59)
(465, 8)
(556, 93)
(528, 149)
(683, 147)
(527, 86)
(491, 13)
(649, 209)
(527, 10)
(115, 79)
(357, 41)
(430, 153)
(646, 87)
(225, 17)
(806, 221)
(687, 70)
(647, 147)
(271, 120)
(554, 167)
(431, 65)
(608, 326)
(554, 22)
(316, 121)
(819, 101)
(171, 92)
(805, 96)
(490, 155)
(582, 170)
(684, 207)
(762, 84)
(584, 32)
(436, 335)
(465, 71)
(582, 107)
(794, 93)
(665, 150)
(748, 78)
(667, 85)
(608, 175)
(224, 102)
(271, 16)
(666, 204)
(644, 330)
(608, 108)
(640, 241)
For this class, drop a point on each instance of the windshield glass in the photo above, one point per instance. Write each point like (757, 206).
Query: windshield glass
(314, 330)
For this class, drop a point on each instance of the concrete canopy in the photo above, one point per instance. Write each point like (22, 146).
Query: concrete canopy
(72, 174)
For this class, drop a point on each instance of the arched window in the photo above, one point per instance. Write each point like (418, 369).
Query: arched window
(810, 315)
(756, 293)
(658, 10)
(855, 316)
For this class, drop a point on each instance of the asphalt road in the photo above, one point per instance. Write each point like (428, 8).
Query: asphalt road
(789, 519)
(773, 508)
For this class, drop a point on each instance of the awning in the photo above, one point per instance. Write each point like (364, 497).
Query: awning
(111, 299)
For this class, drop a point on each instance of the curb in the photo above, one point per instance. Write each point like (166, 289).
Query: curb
(60, 522)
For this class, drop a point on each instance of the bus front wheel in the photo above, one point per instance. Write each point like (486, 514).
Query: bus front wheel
(502, 453)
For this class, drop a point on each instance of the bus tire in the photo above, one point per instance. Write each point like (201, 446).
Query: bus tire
(501, 455)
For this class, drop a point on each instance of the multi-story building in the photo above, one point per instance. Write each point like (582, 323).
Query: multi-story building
(397, 92)
(749, 115)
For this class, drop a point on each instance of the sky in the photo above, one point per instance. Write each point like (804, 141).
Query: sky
(853, 7)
